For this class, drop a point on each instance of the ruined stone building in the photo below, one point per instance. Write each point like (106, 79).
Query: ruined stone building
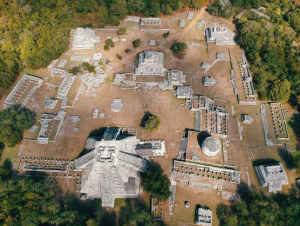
(84, 38)
(111, 169)
(203, 216)
(150, 63)
(220, 35)
(271, 176)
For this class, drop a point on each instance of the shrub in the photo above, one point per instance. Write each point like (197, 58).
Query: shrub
(152, 123)
(75, 70)
(110, 43)
(128, 51)
(178, 49)
(87, 66)
(122, 31)
(101, 25)
(136, 43)
(106, 47)
(119, 57)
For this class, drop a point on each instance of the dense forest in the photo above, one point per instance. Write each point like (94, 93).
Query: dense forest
(33, 33)
(271, 44)
(256, 209)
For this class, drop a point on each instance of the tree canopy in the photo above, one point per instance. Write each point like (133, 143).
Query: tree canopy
(13, 122)
(157, 184)
(152, 123)
(136, 43)
(178, 49)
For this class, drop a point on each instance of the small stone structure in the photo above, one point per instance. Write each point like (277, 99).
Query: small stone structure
(58, 72)
(74, 118)
(151, 148)
(271, 176)
(247, 119)
(97, 56)
(200, 23)
(221, 56)
(33, 129)
(50, 102)
(132, 19)
(27, 81)
(65, 86)
(211, 146)
(150, 21)
(203, 216)
(152, 42)
(62, 63)
(190, 15)
(209, 81)
(187, 204)
(116, 105)
(263, 115)
(75, 58)
(84, 38)
(181, 23)
(176, 78)
(47, 124)
(220, 35)
(185, 92)
(112, 168)
(95, 113)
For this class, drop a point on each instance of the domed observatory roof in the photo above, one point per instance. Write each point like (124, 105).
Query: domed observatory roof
(211, 146)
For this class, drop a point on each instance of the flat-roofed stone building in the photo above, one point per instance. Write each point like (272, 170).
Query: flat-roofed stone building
(84, 38)
(203, 216)
(271, 176)
(150, 63)
(112, 168)
(220, 35)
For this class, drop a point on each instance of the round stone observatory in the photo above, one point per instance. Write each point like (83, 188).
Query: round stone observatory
(211, 146)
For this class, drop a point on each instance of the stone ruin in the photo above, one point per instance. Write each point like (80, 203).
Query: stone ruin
(247, 119)
(74, 118)
(116, 105)
(150, 21)
(152, 42)
(47, 124)
(62, 63)
(196, 172)
(84, 38)
(151, 148)
(263, 115)
(65, 86)
(58, 72)
(75, 58)
(200, 23)
(185, 92)
(50, 102)
(97, 56)
(279, 122)
(271, 176)
(33, 129)
(209, 81)
(181, 23)
(95, 113)
(27, 81)
(132, 19)
(220, 35)
(221, 56)
(52, 63)
(204, 65)
(190, 15)
(150, 63)
(203, 216)
(112, 168)
(211, 146)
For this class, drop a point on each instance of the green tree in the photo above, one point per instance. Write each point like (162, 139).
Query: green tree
(166, 35)
(122, 31)
(157, 185)
(119, 57)
(281, 91)
(75, 70)
(88, 67)
(136, 43)
(110, 43)
(119, 9)
(106, 47)
(178, 49)
(135, 6)
(152, 123)
(13, 122)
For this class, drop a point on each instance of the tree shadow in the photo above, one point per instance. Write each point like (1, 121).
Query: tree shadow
(145, 118)
(294, 123)
(288, 159)
(154, 166)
